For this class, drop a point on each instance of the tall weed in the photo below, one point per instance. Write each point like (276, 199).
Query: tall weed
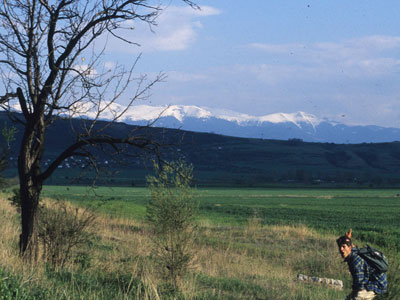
(62, 229)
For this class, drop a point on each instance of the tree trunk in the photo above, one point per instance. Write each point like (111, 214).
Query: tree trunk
(29, 170)
(29, 244)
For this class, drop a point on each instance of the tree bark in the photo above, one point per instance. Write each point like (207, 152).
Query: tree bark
(29, 245)
(29, 169)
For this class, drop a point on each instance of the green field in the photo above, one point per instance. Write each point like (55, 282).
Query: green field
(252, 243)
(374, 214)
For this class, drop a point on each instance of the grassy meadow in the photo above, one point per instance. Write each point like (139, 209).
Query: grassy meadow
(374, 214)
(251, 245)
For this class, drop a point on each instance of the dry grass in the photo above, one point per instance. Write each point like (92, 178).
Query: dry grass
(248, 252)
(267, 256)
(9, 232)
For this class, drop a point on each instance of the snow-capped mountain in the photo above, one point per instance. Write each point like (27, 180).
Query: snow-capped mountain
(281, 126)
(182, 113)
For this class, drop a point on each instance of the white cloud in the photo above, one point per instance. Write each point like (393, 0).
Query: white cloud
(177, 39)
(355, 58)
(378, 43)
(176, 30)
(277, 48)
(375, 67)
(109, 65)
(365, 45)
(180, 11)
(184, 77)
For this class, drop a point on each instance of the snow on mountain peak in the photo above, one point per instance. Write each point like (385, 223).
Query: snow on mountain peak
(180, 112)
(296, 118)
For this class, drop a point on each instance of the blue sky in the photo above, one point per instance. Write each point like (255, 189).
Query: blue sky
(335, 59)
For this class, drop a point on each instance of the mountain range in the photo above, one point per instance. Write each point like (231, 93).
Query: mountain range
(280, 126)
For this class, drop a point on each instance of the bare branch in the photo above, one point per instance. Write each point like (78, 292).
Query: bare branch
(7, 97)
(13, 66)
(192, 4)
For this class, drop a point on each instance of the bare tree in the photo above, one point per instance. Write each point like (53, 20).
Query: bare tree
(46, 73)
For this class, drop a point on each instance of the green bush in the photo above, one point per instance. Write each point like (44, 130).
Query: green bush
(11, 288)
(62, 230)
(171, 212)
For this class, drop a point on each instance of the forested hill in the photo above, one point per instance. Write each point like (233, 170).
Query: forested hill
(224, 161)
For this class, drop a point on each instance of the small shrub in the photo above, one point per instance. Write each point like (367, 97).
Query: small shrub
(61, 230)
(171, 212)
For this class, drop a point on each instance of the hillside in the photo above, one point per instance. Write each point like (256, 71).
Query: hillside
(225, 161)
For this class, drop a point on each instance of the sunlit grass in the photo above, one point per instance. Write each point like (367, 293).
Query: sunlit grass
(246, 259)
